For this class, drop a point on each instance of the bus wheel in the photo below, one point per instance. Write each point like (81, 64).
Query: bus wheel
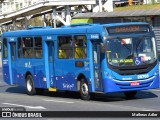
(84, 92)
(130, 94)
(30, 85)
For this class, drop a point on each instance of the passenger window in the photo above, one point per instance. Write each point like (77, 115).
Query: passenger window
(38, 47)
(27, 44)
(19, 48)
(5, 49)
(80, 47)
(65, 47)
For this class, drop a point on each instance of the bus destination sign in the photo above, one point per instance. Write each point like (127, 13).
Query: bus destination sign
(128, 29)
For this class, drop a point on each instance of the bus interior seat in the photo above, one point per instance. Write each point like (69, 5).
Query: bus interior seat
(61, 54)
(28, 53)
(78, 53)
(38, 53)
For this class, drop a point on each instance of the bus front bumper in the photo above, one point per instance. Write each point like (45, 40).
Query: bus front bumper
(114, 85)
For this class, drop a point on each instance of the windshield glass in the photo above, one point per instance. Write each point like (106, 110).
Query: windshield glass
(131, 51)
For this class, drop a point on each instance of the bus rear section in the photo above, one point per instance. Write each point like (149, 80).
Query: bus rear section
(9, 60)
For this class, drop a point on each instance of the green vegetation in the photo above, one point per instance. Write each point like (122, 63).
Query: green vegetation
(87, 20)
(138, 7)
(37, 21)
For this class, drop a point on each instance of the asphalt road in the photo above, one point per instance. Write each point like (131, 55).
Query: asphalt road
(15, 96)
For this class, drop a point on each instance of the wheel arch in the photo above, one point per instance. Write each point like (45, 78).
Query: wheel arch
(80, 76)
(28, 73)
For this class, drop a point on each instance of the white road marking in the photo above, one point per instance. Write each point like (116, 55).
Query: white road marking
(58, 101)
(31, 107)
(150, 110)
(155, 90)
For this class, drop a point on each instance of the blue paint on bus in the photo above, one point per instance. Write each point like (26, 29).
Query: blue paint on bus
(39, 52)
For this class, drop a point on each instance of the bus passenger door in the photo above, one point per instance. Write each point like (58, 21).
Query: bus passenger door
(12, 59)
(50, 45)
(5, 61)
(97, 67)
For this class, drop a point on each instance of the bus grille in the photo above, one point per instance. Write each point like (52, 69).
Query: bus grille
(131, 70)
(126, 84)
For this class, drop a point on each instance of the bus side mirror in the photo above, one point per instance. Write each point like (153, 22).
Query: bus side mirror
(103, 48)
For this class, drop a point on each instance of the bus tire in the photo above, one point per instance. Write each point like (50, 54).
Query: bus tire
(84, 91)
(130, 94)
(30, 85)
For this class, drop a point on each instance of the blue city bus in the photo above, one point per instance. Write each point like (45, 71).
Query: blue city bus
(86, 58)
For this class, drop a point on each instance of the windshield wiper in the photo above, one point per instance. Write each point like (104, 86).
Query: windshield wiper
(139, 44)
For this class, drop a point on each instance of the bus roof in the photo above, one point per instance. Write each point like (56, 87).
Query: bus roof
(65, 30)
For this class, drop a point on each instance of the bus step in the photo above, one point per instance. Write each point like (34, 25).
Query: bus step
(99, 92)
(52, 89)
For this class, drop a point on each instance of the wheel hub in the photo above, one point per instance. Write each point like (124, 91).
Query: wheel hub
(29, 85)
(84, 89)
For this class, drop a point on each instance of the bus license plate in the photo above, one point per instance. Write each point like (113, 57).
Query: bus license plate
(134, 83)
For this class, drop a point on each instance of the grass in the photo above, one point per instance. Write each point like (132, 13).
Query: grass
(138, 7)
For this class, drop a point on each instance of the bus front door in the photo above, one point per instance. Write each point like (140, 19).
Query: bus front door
(50, 45)
(12, 59)
(97, 67)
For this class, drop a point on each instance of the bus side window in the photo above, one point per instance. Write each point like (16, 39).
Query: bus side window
(65, 47)
(5, 49)
(38, 47)
(80, 47)
(27, 44)
(19, 47)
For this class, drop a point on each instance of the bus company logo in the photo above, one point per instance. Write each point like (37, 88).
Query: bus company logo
(127, 78)
(68, 86)
(28, 65)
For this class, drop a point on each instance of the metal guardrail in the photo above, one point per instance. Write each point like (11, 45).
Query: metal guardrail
(14, 5)
(0, 60)
(157, 34)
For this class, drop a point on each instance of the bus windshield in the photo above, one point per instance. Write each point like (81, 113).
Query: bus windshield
(131, 51)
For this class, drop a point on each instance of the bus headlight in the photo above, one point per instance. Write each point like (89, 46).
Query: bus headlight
(105, 38)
